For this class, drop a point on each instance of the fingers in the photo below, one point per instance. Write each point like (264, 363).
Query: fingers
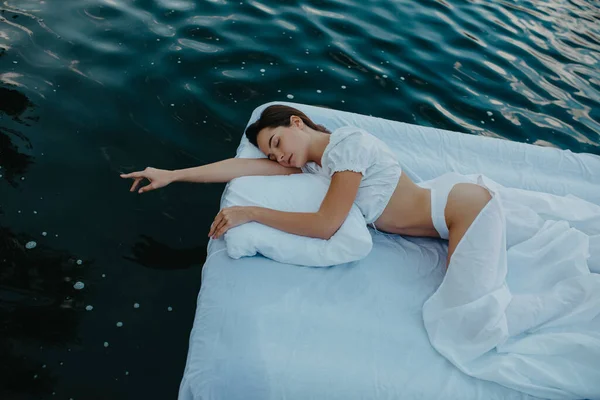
(215, 225)
(222, 230)
(146, 188)
(220, 220)
(135, 184)
(212, 226)
(138, 177)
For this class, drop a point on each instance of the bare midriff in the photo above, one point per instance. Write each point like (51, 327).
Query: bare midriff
(408, 212)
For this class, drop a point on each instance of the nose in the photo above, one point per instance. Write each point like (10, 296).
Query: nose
(280, 158)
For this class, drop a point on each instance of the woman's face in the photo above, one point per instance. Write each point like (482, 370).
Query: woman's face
(286, 145)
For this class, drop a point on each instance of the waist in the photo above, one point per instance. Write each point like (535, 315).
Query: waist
(408, 213)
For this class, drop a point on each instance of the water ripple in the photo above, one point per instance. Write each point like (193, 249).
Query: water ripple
(199, 46)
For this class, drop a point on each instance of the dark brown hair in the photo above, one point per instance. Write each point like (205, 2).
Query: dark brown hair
(278, 115)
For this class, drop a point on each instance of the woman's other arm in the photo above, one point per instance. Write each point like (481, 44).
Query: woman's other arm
(322, 224)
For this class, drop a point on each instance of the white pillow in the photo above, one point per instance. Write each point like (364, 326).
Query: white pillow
(298, 193)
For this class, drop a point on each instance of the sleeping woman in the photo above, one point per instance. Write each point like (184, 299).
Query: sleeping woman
(363, 170)
(535, 329)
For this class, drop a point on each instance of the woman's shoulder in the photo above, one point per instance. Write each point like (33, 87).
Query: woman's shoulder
(348, 134)
(349, 148)
(348, 130)
(354, 142)
(354, 137)
(345, 135)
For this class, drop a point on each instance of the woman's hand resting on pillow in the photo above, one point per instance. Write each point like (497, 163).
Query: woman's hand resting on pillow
(228, 218)
(158, 178)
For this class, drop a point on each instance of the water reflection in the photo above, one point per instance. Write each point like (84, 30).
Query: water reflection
(37, 310)
(13, 103)
(13, 162)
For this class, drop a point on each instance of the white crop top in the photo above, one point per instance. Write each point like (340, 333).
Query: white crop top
(353, 149)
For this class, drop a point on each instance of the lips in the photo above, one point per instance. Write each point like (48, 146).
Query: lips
(290, 159)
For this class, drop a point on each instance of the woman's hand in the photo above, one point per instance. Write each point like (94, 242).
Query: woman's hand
(228, 218)
(158, 178)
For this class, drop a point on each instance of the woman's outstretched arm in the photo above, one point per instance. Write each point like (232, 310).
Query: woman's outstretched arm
(226, 170)
(221, 171)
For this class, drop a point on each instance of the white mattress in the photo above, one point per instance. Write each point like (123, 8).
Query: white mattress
(267, 330)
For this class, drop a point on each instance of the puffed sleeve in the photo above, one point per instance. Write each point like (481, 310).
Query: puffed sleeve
(349, 150)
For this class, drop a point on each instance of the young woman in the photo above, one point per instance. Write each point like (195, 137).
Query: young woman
(363, 170)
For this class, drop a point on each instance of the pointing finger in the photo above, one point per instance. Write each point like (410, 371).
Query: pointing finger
(132, 175)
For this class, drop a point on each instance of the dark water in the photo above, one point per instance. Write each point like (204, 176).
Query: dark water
(92, 88)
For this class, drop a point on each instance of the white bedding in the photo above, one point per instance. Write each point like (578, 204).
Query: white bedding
(527, 317)
(267, 330)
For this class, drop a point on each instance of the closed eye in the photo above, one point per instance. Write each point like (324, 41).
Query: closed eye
(274, 145)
